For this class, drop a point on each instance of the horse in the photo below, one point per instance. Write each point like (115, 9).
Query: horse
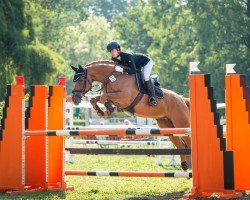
(120, 92)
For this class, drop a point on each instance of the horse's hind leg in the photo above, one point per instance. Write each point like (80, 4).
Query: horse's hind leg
(166, 123)
(180, 118)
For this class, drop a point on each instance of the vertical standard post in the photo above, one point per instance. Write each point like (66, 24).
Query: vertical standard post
(12, 159)
(36, 147)
(56, 109)
(207, 158)
(238, 127)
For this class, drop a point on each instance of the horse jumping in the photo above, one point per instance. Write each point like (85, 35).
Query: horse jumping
(121, 90)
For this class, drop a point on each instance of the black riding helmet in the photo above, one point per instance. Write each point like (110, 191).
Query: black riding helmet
(113, 45)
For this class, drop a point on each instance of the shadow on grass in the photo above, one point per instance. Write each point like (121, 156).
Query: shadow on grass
(167, 167)
(62, 195)
(35, 195)
(174, 196)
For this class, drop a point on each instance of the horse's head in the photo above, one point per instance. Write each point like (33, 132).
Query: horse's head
(98, 71)
(81, 84)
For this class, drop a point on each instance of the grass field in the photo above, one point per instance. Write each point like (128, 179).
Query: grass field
(117, 187)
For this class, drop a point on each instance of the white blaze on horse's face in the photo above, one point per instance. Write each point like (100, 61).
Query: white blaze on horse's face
(114, 53)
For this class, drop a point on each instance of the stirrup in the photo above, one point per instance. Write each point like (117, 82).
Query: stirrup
(152, 101)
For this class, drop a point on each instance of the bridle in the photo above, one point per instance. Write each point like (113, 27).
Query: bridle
(78, 78)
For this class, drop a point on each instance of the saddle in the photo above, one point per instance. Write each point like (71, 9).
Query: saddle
(143, 88)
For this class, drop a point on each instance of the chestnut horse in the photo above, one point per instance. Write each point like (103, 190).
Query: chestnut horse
(121, 90)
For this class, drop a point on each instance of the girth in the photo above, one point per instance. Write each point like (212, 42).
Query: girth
(130, 108)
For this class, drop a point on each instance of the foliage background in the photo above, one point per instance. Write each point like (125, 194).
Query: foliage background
(40, 38)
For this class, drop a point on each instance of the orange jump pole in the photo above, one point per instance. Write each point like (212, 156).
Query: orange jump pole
(117, 132)
(212, 164)
(238, 125)
(129, 174)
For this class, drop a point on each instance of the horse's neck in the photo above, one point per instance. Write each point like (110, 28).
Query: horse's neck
(98, 72)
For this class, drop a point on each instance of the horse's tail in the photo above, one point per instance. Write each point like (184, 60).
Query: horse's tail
(187, 101)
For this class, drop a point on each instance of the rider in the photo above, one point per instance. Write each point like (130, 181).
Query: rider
(134, 62)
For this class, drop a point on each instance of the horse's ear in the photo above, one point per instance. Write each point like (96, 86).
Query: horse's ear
(80, 67)
(74, 68)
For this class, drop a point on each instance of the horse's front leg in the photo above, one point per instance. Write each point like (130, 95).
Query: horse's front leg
(98, 110)
(106, 102)
(103, 100)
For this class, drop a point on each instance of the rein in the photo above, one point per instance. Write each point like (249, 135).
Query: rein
(109, 79)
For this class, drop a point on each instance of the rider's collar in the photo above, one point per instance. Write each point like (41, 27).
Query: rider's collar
(117, 57)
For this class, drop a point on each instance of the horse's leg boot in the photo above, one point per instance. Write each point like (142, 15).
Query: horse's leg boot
(99, 110)
(152, 99)
(184, 165)
(109, 106)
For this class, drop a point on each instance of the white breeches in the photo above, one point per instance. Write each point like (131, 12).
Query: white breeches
(147, 70)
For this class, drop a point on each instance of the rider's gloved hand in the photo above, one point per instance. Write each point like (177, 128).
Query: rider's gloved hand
(118, 69)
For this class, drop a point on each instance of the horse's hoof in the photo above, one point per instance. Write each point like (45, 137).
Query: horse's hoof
(184, 165)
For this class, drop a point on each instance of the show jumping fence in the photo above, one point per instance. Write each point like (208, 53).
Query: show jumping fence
(100, 151)
(220, 165)
(130, 174)
(121, 144)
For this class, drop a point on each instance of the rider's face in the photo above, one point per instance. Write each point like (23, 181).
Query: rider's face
(114, 53)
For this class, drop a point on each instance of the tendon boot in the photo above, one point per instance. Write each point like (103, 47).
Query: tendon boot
(152, 98)
(184, 165)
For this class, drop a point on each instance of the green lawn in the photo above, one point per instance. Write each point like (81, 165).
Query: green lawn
(117, 187)
(123, 187)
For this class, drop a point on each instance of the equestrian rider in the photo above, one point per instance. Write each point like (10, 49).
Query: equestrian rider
(135, 62)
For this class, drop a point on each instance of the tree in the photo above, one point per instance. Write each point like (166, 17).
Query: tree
(111, 8)
(213, 32)
(87, 41)
(222, 37)
(20, 51)
(131, 29)
(12, 40)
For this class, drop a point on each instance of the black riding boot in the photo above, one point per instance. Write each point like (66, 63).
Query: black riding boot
(152, 99)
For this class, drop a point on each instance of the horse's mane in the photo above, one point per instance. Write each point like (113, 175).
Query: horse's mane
(101, 63)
